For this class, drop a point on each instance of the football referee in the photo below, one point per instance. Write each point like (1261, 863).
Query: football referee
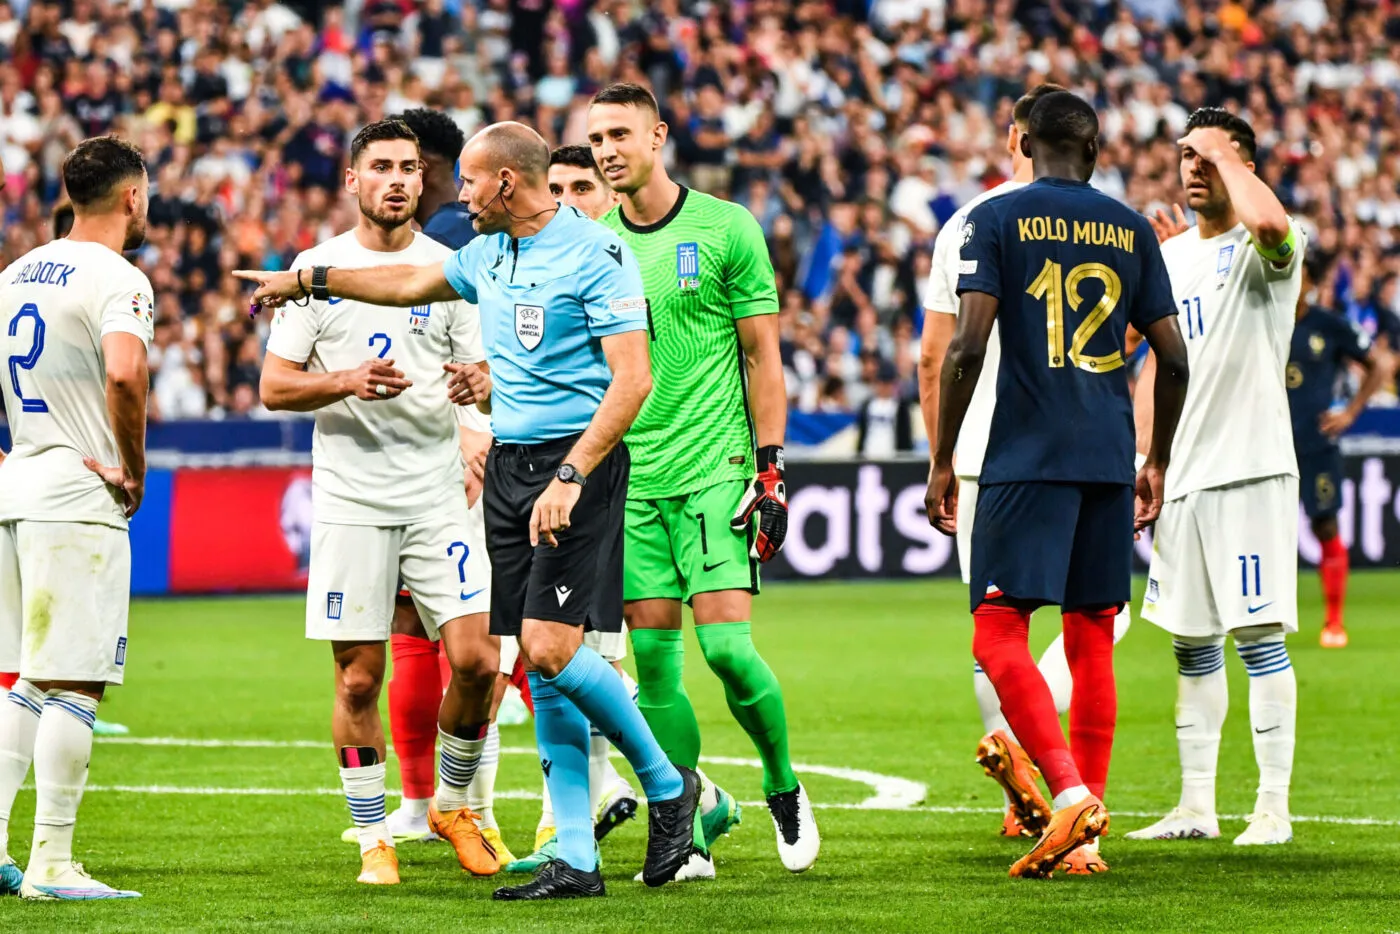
(565, 325)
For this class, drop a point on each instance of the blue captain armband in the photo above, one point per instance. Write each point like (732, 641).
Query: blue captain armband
(1281, 254)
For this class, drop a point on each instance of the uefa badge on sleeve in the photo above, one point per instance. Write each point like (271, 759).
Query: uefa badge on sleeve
(687, 266)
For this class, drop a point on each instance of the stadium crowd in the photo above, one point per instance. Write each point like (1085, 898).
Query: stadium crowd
(850, 129)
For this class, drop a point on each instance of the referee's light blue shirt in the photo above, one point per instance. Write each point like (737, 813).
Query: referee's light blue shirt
(546, 303)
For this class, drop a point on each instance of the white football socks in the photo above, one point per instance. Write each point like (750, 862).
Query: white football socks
(364, 793)
(546, 809)
(458, 759)
(602, 775)
(1072, 795)
(1273, 712)
(1202, 700)
(62, 749)
(481, 793)
(19, 723)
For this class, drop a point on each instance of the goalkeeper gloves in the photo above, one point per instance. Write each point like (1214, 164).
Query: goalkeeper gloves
(767, 496)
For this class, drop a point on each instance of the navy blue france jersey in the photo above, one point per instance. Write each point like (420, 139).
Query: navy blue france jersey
(1071, 268)
(1322, 343)
(451, 225)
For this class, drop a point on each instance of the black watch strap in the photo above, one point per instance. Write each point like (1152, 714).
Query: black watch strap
(318, 283)
(568, 473)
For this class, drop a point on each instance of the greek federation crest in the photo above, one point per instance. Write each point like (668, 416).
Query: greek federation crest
(1223, 261)
(529, 325)
(418, 319)
(687, 266)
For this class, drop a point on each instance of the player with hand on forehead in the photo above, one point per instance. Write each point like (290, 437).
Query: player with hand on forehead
(1225, 550)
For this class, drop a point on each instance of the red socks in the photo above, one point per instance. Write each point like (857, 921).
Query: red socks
(999, 643)
(415, 696)
(521, 681)
(1093, 706)
(8, 679)
(1333, 569)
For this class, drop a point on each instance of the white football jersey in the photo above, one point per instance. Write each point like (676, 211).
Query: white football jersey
(56, 303)
(1236, 313)
(942, 298)
(386, 462)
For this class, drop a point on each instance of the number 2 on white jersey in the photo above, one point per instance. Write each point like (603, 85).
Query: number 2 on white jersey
(1047, 285)
(27, 361)
(388, 342)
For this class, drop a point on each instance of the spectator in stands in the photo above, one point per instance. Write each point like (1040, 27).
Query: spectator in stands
(886, 422)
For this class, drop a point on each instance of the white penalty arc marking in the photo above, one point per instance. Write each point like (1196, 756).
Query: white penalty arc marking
(889, 793)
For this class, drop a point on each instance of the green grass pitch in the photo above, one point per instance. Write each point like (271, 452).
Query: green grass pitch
(224, 837)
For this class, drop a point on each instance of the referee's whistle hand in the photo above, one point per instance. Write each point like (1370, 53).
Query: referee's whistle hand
(551, 513)
(375, 380)
(274, 288)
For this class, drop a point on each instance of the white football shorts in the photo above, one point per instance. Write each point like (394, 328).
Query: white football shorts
(1226, 559)
(355, 571)
(69, 586)
(967, 512)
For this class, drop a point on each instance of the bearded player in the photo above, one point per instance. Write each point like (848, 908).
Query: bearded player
(388, 499)
(702, 510)
(1225, 551)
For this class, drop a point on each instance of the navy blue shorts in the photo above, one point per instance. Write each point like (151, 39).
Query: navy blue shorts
(1061, 544)
(1320, 482)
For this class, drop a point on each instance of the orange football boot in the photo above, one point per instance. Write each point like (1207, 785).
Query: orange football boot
(1009, 765)
(1085, 861)
(1333, 637)
(460, 829)
(1070, 828)
(1011, 825)
(379, 865)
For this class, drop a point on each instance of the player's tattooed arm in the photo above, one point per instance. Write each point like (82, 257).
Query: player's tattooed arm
(394, 286)
(288, 386)
(758, 335)
(977, 312)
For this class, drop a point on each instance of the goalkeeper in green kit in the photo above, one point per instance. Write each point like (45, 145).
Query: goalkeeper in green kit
(706, 501)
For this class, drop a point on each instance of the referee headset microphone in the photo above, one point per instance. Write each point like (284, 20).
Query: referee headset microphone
(501, 196)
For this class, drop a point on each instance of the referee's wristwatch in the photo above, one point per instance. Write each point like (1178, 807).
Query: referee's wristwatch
(319, 291)
(568, 473)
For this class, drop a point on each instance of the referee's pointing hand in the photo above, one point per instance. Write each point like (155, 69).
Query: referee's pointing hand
(552, 511)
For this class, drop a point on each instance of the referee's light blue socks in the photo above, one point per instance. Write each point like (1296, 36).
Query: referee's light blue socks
(595, 688)
(561, 732)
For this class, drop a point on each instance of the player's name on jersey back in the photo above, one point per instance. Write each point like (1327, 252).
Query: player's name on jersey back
(1094, 233)
(44, 273)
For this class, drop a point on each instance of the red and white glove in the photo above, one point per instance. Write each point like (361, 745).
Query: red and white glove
(767, 496)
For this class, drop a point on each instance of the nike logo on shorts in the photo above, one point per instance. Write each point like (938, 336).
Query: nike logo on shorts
(711, 567)
(562, 593)
(468, 596)
(1269, 730)
(1256, 609)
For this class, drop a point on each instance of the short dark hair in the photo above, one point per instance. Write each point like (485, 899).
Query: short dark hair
(62, 220)
(377, 132)
(1062, 121)
(1021, 110)
(438, 134)
(97, 166)
(1237, 128)
(578, 156)
(629, 95)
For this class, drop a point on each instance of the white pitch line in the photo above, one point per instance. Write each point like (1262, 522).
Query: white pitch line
(890, 792)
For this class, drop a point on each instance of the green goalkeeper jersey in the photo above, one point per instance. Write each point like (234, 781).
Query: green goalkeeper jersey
(704, 265)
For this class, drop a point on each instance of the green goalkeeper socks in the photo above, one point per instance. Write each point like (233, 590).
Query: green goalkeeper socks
(660, 658)
(754, 695)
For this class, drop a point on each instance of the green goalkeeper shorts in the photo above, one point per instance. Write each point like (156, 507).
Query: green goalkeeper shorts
(679, 546)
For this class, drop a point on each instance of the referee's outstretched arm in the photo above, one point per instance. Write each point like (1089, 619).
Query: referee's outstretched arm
(395, 286)
(630, 361)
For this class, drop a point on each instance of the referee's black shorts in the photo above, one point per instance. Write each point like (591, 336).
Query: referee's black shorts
(578, 583)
